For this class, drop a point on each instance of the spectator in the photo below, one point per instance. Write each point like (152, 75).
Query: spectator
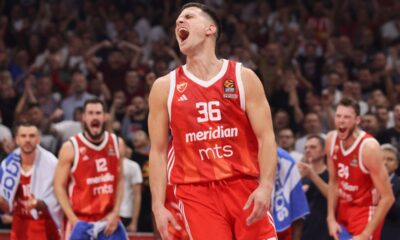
(370, 124)
(392, 135)
(311, 125)
(315, 183)
(135, 118)
(132, 198)
(78, 96)
(285, 139)
(391, 226)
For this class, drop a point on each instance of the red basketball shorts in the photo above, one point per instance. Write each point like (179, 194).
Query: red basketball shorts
(215, 211)
(355, 218)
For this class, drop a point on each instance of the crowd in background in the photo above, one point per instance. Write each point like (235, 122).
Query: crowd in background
(309, 54)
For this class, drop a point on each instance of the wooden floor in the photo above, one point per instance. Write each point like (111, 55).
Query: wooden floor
(5, 235)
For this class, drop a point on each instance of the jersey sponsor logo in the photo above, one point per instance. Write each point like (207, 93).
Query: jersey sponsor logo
(211, 133)
(181, 87)
(348, 187)
(345, 196)
(104, 189)
(216, 152)
(182, 98)
(229, 86)
(108, 177)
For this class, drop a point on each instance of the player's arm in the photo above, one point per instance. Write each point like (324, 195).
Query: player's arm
(333, 226)
(373, 161)
(65, 160)
(113, 217)
(4, 207)
(137, 201)
(259, 114)
(158, 132)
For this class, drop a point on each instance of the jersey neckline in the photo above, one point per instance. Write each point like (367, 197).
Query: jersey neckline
(206, 83)
(353, 146)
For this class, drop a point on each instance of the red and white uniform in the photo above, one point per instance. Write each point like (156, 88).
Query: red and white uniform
(357, 195)
(213, 157)
(94, 177)
(24, 226)
(212, 136)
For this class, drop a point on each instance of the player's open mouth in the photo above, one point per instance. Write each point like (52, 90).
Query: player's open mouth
(183, 34)
(95, 124)
(342, 130)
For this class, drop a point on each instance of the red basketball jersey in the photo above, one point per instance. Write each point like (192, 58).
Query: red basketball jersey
(94, 176)
(22, 195)
(212, 138)
(354, 182)
(24, 225)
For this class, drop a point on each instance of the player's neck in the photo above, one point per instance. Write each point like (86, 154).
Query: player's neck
(27, 160)
(204, 67)
(348, 142)
(96, 141)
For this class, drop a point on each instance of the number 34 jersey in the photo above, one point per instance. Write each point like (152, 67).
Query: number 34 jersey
(212, 138)
(94, 176)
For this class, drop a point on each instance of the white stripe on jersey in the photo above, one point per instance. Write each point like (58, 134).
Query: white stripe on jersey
(172, 83)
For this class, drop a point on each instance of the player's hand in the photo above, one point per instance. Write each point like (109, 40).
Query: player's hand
(32, 202)
(112, 223)
(6, 218)
(164, 217)
(261, 200)
(334, 228)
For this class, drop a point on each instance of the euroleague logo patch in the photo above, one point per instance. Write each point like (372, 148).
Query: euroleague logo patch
(229, 89)
(229, 86)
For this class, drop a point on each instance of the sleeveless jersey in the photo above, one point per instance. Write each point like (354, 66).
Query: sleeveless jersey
(24, 225)
(94, 176)
(354, 182)
(212, 138)
(22, 196)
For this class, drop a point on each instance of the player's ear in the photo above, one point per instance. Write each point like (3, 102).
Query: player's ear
(358, 120)
(211, 30)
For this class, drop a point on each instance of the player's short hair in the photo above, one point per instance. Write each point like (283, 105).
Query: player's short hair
(94, 101)
(209, 12)
(389, 147)
(24, 123)
(350, 102)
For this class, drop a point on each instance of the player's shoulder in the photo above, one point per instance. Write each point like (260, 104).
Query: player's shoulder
(371, 144)
(330, 135)
(160, 88)
(66, 151)
(162, 82)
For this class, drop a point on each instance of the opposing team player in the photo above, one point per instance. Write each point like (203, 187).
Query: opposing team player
(26, 188)
(223, 157)
(90, 167)
(359, 193)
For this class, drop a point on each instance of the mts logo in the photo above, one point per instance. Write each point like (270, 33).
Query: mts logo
(216, 152)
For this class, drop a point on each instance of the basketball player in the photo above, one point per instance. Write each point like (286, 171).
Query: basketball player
(359, 193)
(30, 189)
(90, 165)
(223, 157)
